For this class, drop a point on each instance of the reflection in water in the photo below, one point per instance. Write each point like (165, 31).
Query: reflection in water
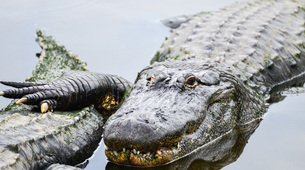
(213, 156)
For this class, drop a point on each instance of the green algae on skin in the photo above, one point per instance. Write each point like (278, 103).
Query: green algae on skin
(54, 60)
(32, 137)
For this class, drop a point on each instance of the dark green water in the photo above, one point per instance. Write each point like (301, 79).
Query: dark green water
(120, 37)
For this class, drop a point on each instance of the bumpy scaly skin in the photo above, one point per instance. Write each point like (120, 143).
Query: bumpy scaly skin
(259, 38)
(238, 56)
(31, 140)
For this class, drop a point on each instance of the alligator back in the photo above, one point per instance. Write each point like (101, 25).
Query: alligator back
(31, 140)
(264, 40)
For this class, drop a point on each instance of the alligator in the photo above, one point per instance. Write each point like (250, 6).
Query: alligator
(210, 76)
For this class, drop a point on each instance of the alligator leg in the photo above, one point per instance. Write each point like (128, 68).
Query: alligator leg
(74, 90)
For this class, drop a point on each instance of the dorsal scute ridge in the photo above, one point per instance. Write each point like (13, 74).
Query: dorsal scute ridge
(260, 38)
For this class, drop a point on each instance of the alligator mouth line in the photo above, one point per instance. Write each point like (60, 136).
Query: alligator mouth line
(130, 156)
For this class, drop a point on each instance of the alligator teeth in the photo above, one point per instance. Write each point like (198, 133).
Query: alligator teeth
(134, 151)
(138, 152)
(1, 93)
(124, 150)
(115, 152)
(22, 100)
(148, 153)
(106, 148)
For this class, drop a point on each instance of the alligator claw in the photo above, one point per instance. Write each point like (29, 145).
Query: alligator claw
(44, 107)
(22, 100)
(1, 93)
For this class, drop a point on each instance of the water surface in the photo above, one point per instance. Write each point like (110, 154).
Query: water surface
(120, 37)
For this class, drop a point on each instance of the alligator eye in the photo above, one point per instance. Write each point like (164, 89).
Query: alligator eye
(191, 81)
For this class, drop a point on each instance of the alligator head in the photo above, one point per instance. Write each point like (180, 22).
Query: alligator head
(176, 107)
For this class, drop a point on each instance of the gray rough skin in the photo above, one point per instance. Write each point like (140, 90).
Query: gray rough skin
(259, 38)
(236, 57)
(31, 140)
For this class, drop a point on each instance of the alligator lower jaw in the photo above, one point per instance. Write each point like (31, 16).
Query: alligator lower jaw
(137, 158)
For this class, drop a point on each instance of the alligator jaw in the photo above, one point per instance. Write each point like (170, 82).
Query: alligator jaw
(133, 157)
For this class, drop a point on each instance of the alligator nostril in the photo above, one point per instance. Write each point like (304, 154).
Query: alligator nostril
(146, 121)
(128, 112)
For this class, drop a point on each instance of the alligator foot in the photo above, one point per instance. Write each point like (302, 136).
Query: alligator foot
(32, 93)
(74, 90)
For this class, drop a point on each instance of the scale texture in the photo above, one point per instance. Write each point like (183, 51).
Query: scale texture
(31, 140)
(264, 40)
(210, 76)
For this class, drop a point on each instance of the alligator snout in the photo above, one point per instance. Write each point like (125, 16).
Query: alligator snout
(142, 132)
